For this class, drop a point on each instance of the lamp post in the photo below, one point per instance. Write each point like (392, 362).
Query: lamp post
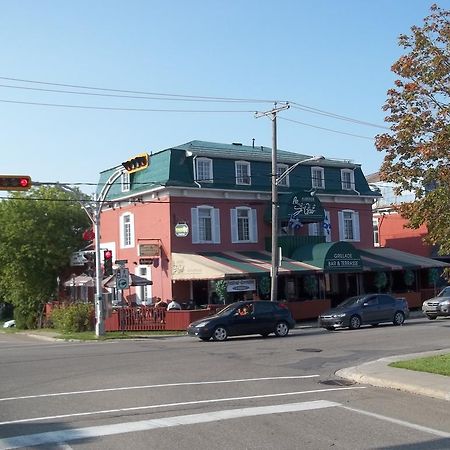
(275, 262)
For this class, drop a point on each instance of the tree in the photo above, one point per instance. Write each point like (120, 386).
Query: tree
(39, 230)
(417, 148)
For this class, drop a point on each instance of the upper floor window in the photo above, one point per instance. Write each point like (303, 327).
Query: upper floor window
(281, 168)
(125, 181)
(317, 177)
(322, 228)
(376, 232)
(205, 225)
(347, 179)
(243, 225)
(349, 225)
(127, 230)
(243, 175)
(204, 170)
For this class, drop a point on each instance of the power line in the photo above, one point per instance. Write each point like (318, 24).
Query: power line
(112, 108)
(326, 129)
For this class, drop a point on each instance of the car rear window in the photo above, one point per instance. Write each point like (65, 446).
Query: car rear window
(262, 308)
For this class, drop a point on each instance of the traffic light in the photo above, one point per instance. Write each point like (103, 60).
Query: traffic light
(139, 162)
(107, 263)
(15, 182)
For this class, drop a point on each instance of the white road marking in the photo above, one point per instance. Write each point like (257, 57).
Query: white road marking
(150, 386)
(166, 405)
(401, 422)
(68, 435)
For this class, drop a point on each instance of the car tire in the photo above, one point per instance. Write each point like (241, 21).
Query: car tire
(399, 318)
(220, 333)
(281, 329)
(431, 317)
(354, 323)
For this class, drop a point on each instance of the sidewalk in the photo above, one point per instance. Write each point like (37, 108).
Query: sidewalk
(378, 373)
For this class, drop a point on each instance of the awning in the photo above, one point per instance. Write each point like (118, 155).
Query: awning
(215, 265)
(331, 256)
(297, 208)
(134, 280)
(382, 258)
(80, 280)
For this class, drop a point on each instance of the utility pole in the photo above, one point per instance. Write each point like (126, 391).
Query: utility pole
(272, 114)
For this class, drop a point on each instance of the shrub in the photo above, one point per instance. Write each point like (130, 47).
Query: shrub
(25, 318)
(73, 318)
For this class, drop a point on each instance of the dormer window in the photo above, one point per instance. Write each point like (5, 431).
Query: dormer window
(347, 179)
(243, 175)
(317, 177)
(125, 181)
(204, 169)
(281, 168)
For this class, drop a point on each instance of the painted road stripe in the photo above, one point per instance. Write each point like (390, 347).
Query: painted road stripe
(68, 435)
(167, 405)
(401, 422)
(150, 386)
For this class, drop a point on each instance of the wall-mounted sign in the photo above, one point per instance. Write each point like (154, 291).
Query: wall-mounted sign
(145, 261)
(241, 285)
(148, 250)
(181, 229)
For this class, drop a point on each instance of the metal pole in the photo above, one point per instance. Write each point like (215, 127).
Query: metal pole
(275, 262)
(99, 319)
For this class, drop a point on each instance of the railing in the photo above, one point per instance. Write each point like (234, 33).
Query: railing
(142, 318)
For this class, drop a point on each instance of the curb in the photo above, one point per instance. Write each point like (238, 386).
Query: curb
(378, 373)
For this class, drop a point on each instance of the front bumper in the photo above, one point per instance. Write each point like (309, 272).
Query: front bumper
(332, 322)
(200, 332)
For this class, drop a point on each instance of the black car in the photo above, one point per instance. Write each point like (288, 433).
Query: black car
(365, 309)
(243, 318)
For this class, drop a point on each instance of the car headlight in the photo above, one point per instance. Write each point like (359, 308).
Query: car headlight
(445, 303)
(339, 315)
(201, 325)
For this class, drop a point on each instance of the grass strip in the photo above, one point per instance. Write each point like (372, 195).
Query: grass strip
(439, 364)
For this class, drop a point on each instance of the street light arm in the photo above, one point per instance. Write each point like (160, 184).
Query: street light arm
(298, 163)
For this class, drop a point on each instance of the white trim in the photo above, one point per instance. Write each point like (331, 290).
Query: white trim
(318, 183)
(125, 181)
(355, 225)
(348, 185)
(285, 181)
(252, 225)
(122, 230)
(210, 176)
(246, 178)
(215, 225)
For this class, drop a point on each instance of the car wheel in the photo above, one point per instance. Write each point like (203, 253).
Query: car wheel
(431, 317)
(354, 323)
(281, 329)
(399, 318)
(220, 333)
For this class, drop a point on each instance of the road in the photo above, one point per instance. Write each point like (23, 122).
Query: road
(245, 393)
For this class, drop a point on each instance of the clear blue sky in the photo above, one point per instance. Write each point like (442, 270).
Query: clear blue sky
(326, 54)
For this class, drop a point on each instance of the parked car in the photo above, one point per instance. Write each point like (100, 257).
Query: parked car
(365, 309)
(438, 306)
(243, 318)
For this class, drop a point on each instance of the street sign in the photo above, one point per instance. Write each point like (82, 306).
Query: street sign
(123, 278)
(145, 261)
(120, 262)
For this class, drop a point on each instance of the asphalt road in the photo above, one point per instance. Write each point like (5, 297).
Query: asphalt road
(245, 393)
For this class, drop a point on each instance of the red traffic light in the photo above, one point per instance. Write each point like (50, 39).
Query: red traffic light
(107, 254)
(15, 182)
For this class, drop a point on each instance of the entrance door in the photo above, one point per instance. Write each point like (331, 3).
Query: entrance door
(200, 292)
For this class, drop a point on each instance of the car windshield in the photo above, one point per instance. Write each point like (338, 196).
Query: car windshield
(445, 292)
(350, 302)
(227, 310)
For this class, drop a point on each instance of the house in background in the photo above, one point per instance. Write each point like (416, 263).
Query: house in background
(201, 212)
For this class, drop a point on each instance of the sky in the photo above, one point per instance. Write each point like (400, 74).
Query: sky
(327, 55)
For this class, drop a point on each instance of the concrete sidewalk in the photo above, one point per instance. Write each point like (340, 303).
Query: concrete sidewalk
(378, 373)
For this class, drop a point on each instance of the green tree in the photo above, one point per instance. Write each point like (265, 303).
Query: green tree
(417, 148)
(39, 229)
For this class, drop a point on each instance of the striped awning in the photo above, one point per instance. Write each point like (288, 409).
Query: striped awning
(215, 265)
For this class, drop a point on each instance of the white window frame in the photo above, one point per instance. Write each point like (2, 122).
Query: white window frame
(281, 168)
(347, 216)
(347, 185)
(206, 165)
(252, 225)
(144, 293)
(318, 182)
(241, 177)
(127, 230)
(376, 232)
(318, 228)
(125, 182)
(215, 225)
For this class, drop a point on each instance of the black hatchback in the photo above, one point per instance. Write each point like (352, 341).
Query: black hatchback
(244, 318)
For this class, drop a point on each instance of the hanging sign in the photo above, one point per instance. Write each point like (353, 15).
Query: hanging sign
(181, 229)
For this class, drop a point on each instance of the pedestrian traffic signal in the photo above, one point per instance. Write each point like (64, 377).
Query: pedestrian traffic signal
(15, 182)
(107, 263)
(139, 162)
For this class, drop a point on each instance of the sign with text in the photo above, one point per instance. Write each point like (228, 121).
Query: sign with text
(241, 285)
(149, 250)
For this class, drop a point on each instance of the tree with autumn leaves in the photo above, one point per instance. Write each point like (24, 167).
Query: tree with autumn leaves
(418, 146)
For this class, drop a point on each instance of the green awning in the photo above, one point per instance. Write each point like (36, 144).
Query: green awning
(330, 256)
(297, 208)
